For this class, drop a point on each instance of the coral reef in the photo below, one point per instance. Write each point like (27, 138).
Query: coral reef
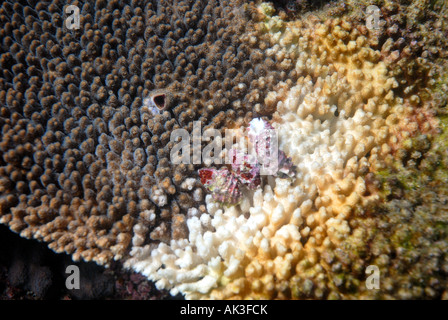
(86, 118)
(347, 117)
(86, 114)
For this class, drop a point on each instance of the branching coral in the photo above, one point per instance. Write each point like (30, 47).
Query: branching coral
(344, 117)
(86, 114)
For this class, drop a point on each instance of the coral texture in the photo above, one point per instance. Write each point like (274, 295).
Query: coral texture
(86, 118)
(86, 115)
(347, 115)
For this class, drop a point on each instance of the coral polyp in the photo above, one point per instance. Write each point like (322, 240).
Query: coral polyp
(341, 123)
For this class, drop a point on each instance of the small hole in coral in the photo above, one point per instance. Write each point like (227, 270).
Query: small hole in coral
(159, 101)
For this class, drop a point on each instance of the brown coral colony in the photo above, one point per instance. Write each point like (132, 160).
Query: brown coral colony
(81, 161)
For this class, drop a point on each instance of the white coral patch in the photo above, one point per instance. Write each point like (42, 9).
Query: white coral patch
(264, 238)
(220, 240)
